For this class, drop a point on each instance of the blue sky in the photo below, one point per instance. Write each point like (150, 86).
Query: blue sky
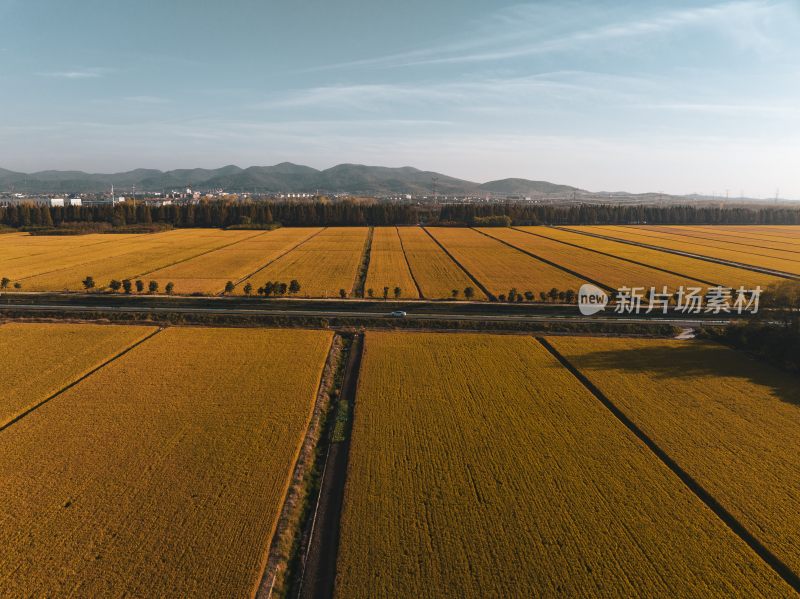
(668, 96)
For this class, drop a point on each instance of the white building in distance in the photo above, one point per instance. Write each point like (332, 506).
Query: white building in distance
(57, 202)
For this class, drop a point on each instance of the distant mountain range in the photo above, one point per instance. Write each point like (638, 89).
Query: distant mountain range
(284, 177)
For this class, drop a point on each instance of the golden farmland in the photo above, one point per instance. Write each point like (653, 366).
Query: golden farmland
(481, 467)
(436, 274)
(325, 263)
(609, 271)
(424, 263)
(771, 259)
(40, 359)
(699, 270)
(161, 474)
(388, 266)
(733, 424)
(499, 267)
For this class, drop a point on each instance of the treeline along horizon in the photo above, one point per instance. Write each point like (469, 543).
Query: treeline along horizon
(226, 213)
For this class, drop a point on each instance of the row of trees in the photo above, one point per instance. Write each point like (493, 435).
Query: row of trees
(227, 213)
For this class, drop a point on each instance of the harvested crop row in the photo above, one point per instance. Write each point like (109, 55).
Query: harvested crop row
(733, 424)
(388, 266)
(323, 265)
(41, 359)
(436, 274)
(707, 249)
(612, 272)
(500, 268)
(210, 272)
(700, 270)
(480, 467)
(163, 473)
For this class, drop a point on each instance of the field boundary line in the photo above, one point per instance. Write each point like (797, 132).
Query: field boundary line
(758, 269)
(772, 560)
(80, 379)
(221, 247)
(530, 254)
(472, 278)
(275, 259)
(606, 254)
(660, 229)
(362, 273)
(408, 264)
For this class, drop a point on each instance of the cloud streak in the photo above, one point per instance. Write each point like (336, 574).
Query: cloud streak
(84, 73)
(521, 35)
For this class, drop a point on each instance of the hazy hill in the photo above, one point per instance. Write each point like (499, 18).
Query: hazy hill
(283, 177)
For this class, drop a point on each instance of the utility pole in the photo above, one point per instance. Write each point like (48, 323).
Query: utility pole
(435, 192)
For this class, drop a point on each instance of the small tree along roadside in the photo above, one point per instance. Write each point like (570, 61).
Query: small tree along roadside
(127, 286)
(385, 293)
(169, 288)
(248, 289)
(294, 286)
(115, 285)
(469, 293)
(153, 287)
(342, 293)
(139, 285)
(4, 282)
(229, 287)
(397, 292)
(88, 283)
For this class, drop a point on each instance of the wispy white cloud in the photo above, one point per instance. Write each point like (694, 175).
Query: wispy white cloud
(517, 32)
(730, 110)
(82, 73)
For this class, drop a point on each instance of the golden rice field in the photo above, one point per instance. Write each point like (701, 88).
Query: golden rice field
(325, 260)
(209, 272)
(499, 267)
(481, 467)
(39, 360)
(700, 270)
(162, 474)
(759, 235)
(388, 266)
(732, 423)
(771, 259)
(708, 234)
(145, 255)
(436, 274)
(612, 272)
(324, 264)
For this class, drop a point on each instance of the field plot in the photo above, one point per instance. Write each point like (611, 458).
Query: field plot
(720, 250)
(41, 359)
(436, 274)
(700, 270)
(162, 474)
(35, 255)
(323, 265)
(480, 467)
(755, 235)
(388, 266)
(209, 272)
(500, 268)
(748, 244)
(732, 423)
(150, 252)
(612, 272)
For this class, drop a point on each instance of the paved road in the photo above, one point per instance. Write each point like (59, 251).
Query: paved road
(351, 309)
